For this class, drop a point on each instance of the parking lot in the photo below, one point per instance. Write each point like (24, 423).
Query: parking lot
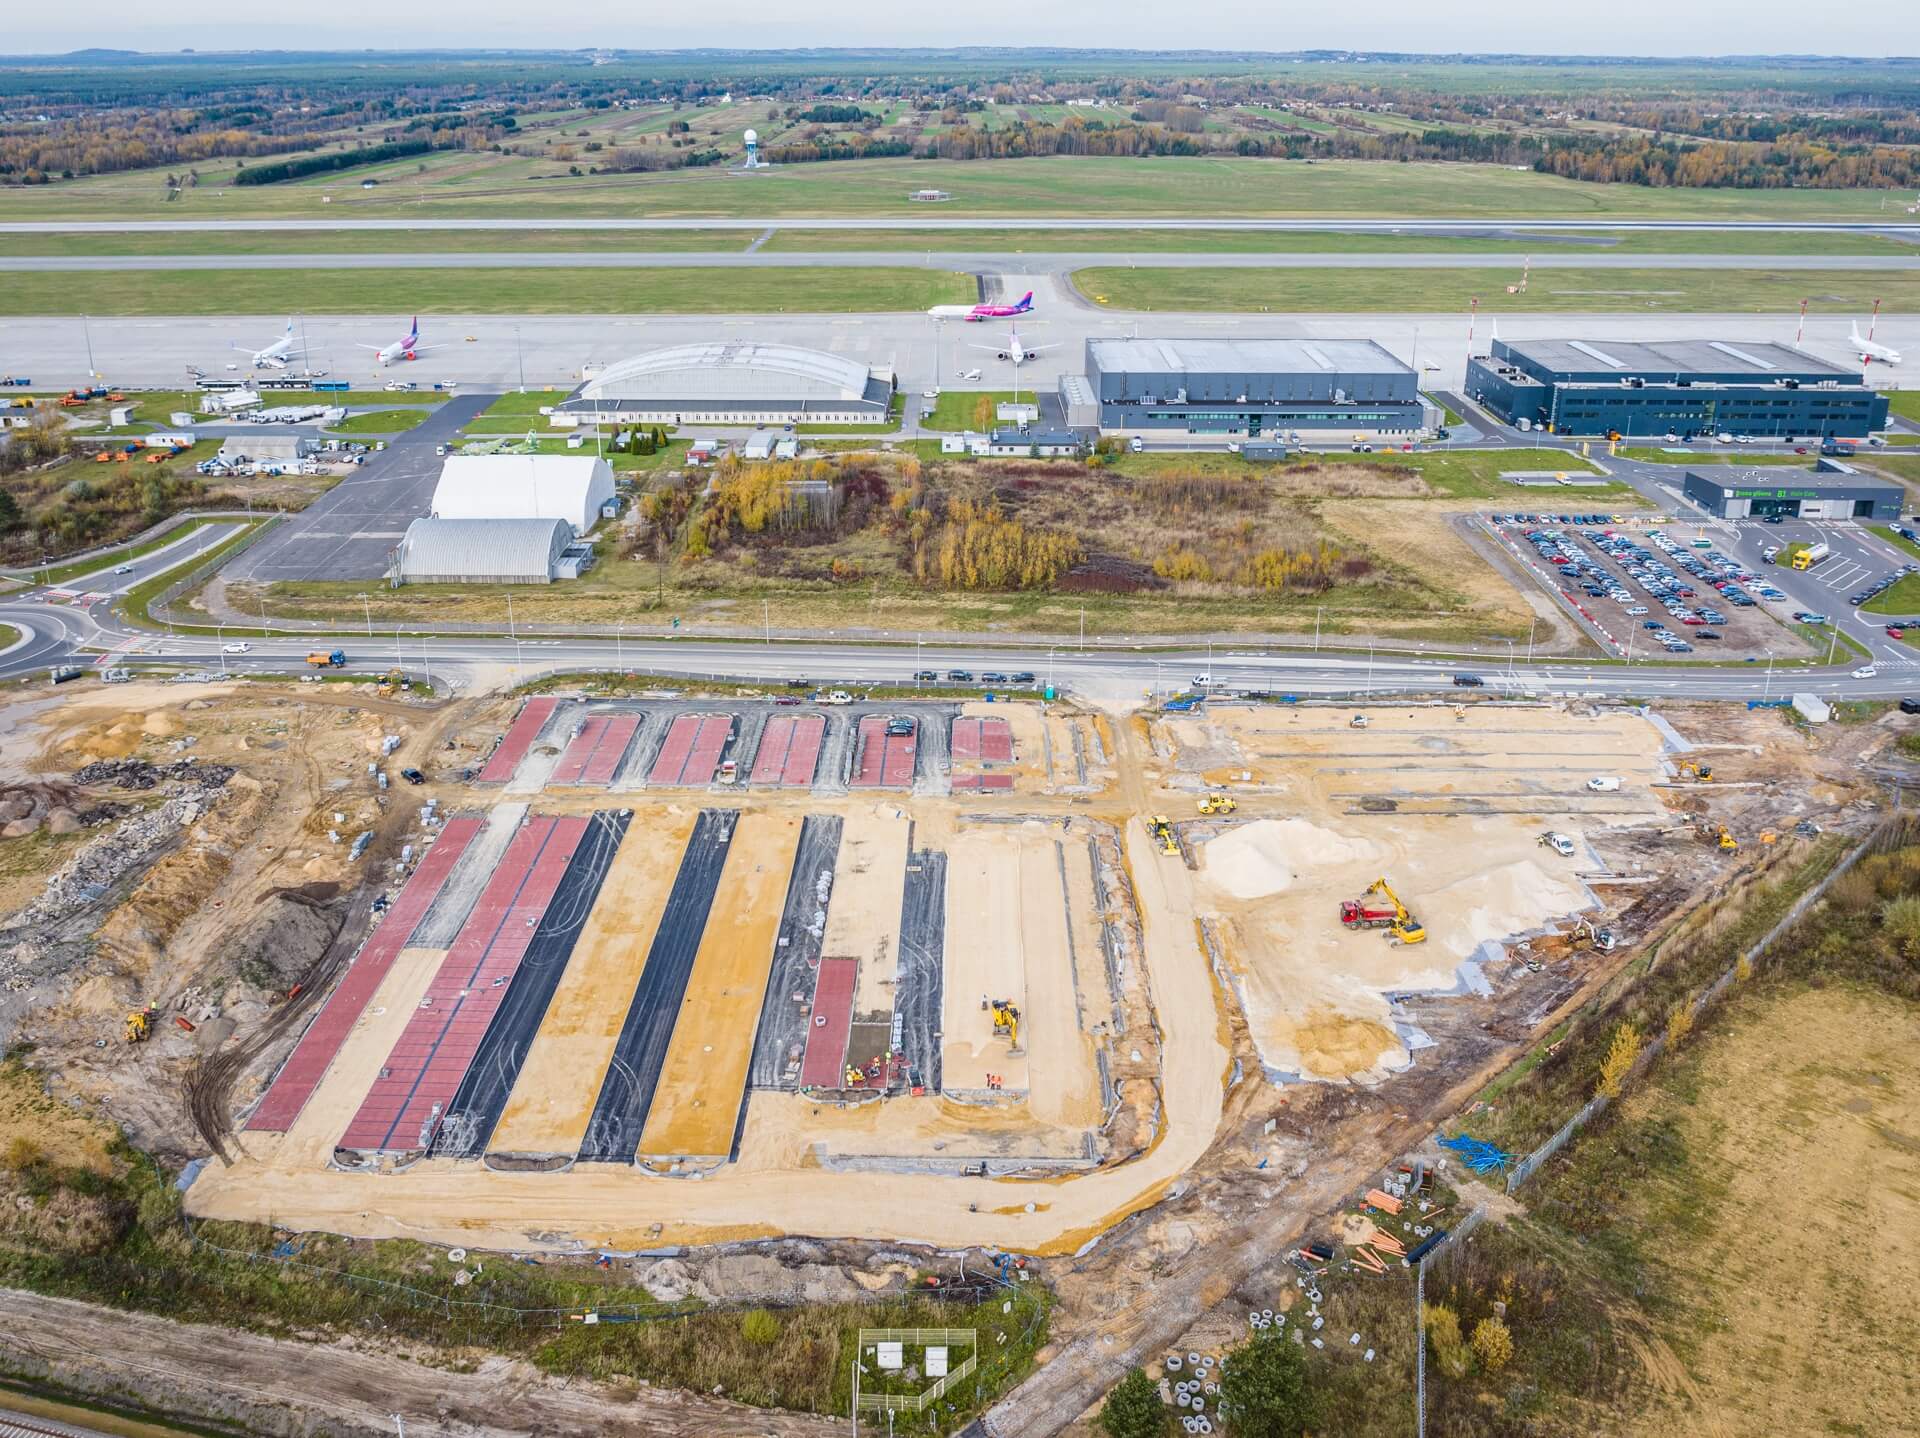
(1647, 590)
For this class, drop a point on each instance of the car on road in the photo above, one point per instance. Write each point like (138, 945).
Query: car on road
(926, 676)
(1468, 681)
(239, 647)
(1023, 676)
(1894, 631)
(960, 676)
(123, 569)
(1866, 671)
(993, 676)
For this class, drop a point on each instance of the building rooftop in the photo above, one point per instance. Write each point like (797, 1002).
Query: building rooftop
(1220, 356)
(816, 370)
(1827, 476)
(482, 546)
(1609, 359)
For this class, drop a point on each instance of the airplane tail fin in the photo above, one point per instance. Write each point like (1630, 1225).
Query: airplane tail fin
(1026, 300)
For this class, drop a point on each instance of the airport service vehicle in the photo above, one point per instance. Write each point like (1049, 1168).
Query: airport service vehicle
(1809, 557)
(328, 659)
(971, 374)
(973, 314)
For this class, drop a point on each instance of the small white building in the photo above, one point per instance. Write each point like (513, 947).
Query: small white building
(1812, 708)
(759, 445)
(265, 449)
(570, 487)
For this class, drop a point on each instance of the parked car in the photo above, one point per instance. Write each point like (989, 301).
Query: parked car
(1910, 705)
(960, 676)
(413, 776)
(899, 727)
(993, 676)
(926, 676)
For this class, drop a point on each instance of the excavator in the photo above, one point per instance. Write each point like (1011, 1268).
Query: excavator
(139, 1026)
(1401, 926)
(1006, 1020)
(1218, 804)
(1699, 773)
(1162, 832)
(1728, 844)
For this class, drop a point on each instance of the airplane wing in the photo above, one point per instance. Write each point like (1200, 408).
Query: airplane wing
(990, 349)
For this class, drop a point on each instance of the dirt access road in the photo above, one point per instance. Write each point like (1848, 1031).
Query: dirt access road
(298, 1389)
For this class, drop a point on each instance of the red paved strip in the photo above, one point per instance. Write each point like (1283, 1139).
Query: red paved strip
(431, 1057)
(965, 740)
(897, 771)
(804, 757)
(573, 763)
(519, 739)
(825, 1063)
(996, 741)
(670, 764)
(614, 740)
(308, 1064)
(996, 781)
(776, 742)
(870, 752)
(704, 761)
(966, 781)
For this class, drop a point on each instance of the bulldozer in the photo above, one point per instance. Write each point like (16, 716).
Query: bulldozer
(139, 1026)
(1218, 804)
(1699, 773)
(1401, 926)
(1006, 1021)
(1162, 832)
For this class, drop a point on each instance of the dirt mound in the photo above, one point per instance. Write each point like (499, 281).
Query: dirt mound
(139, 774)
(280, 940)
(1499, 903)
(1264, 857)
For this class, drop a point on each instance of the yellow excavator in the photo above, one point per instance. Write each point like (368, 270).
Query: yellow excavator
(1699, 773)
(139, 1026)
(1006, 1021)
(1162, 832)
(1218, 804)
(1728, 844)
(1401, 926)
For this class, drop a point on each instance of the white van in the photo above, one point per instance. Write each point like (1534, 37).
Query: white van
(1604, 784)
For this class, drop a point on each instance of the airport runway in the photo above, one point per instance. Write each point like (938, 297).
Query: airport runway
(551, 350)
(938, 218)
(977, 261)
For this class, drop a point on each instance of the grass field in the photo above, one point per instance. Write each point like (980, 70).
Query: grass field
(374, 242)
(1655, 455)
(1905, 403)
(456, 186)
(483, 291)
(1903, 467)
(61, 573)
(954, 409)
(1650, 291)
(380, 421)
(1902, 598)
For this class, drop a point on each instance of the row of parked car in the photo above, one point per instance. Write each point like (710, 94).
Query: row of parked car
(966, 676)
(1522, 519)
(1881, 585)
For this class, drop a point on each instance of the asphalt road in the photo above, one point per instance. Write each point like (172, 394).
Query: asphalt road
(550, 350)
(978, 261)
(350, 531)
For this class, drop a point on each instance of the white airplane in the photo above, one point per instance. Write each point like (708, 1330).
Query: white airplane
(1014, 350)
(1871, 350)
(409, 348)
(275, 355)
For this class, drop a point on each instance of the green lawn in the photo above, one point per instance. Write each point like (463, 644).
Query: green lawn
(380, 421)
(954, 409)
(1172, 186)
(1455, 474)
(138, 599)
(1895, 466)
(1895, 540)
(515, 405)
(1905, 403)
(1650, 290)
(8, 636)
(374, 242)
(483, 291)
(1681, 454)
(61, 573)
(1902, 598)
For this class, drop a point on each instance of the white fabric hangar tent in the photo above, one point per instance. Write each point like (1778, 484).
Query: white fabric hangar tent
(524, 486)
(481, 551)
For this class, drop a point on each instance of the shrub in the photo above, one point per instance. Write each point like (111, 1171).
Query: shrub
(759, 1326)
(1621, 1053)
(23, 1152)
(1450, 1350)
(1263, 1388)
(1492, 1344)
(1134, 1409)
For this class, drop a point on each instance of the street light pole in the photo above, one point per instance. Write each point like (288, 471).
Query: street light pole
(520, 359)
(366, 608)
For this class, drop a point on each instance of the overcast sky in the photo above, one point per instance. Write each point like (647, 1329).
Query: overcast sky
(1634, 27)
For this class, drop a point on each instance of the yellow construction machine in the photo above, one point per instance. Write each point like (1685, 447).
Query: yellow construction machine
(139, 1026)
(390, 683)
(1162, 832)
(1006, 1021)
(1699, 773)
(1728, 844)
(1401, 926)
(1218, 804)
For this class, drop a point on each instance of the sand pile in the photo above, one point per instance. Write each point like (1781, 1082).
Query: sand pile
(1499, 903)
(1264, 857)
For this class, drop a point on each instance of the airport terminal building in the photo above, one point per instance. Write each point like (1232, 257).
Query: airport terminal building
(1683, 387)
(1318, 388)
(731, 382)
(1828, 491)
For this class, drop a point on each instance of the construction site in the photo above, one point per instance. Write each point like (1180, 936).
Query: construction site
(633, 973)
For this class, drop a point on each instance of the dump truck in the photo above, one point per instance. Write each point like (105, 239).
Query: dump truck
(1401, 926)
(328, 659)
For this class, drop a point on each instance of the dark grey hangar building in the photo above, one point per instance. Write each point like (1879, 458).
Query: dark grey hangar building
(1831, 491)
(1683, 387)
(1320, 388)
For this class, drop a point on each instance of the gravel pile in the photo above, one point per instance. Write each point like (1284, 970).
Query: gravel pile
(139, 774)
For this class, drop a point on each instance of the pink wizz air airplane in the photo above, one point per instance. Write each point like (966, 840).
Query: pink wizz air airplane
(973, 314)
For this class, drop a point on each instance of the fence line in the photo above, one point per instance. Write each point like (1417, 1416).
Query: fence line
(1526, 1167)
